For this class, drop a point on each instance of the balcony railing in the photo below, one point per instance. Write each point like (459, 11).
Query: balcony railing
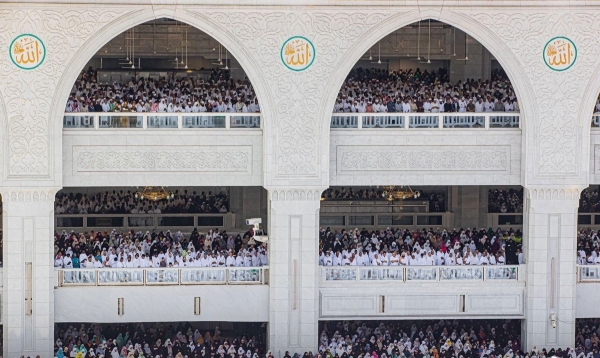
(163, 276)
(485, 120)
(588, 273)
(419, 273)
(135, 120)
(143, 221)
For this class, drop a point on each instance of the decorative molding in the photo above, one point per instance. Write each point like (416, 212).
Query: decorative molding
(558, 95)
(295, 194)
(405, 158)
(554, 193)
(596, 161)
(27, 95)
(29, 195)
(297, 95)
(157, 159)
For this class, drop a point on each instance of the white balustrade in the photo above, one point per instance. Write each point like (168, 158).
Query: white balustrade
(376, 273)
(422, 273)
(244, 275)
(163, 276)
(588, 273)
(501, 273)
(419, 273)
(341, 273)
(160, 120)
(484, 120)
(461, 273)
(195, 276)
(78, 277)
(120, 276)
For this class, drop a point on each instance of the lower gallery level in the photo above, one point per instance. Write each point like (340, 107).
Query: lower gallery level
(341, 266)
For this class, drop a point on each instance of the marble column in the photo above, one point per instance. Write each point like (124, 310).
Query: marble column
(550, 244)
(293, 262)
(28, 272)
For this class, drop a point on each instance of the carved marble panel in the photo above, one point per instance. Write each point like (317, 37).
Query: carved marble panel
(162, 159)
(423, 158)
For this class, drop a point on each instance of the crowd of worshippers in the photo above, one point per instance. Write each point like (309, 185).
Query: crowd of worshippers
(589, 201)
(342, 339)
(402, 247)
(155, 340)
(217, 93)
(157, 249)
(588, 247)
(505, 201)
(125, 202)
(377, 90)
(446, 338)
(437, 199)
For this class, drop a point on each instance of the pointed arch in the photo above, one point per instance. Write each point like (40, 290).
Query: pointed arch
(492, 42)
(127, 21)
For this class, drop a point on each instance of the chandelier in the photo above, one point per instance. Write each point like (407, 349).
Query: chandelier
(392, 193)
(154, 193)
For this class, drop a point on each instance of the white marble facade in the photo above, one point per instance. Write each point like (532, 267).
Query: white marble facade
(292, 158)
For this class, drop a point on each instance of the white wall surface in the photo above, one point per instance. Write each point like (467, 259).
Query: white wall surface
(182, 157)
(421, 300)
(425, 157)
(588, 300)
(243, 303)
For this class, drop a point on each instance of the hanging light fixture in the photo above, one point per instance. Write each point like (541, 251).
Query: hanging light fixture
(454, 41)
(400, 193)
(226, 67)
(379, 55)
(181, 43)
(419, 43)
(429, 42)
(133, 48)
(154, 193)
(186, 49)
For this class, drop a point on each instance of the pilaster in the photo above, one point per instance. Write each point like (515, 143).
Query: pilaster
(550, 242)
(28, 272)
(293, 277)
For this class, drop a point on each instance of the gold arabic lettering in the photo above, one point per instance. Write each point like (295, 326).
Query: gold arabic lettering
(298, 56)
(31, 49)
(560, 55)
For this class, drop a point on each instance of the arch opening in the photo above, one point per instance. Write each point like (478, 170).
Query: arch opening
(427, 67)
(162, 66)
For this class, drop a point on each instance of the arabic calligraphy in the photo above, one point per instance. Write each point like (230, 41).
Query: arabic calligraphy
(560, 53)
(297, 53)
(27, 51)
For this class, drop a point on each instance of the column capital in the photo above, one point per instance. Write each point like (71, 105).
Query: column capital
(310, 193)
(20, 194)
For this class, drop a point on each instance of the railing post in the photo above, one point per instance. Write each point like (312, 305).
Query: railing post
(179, 120)
(227, 121)
(440, 120)
(487, 118)
(406, 121)
(144, 121)
(96, 121)
(360, 121)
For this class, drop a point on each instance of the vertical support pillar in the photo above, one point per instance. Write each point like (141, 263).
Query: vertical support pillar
(28, 272)
(550, 242)
(293, 267)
